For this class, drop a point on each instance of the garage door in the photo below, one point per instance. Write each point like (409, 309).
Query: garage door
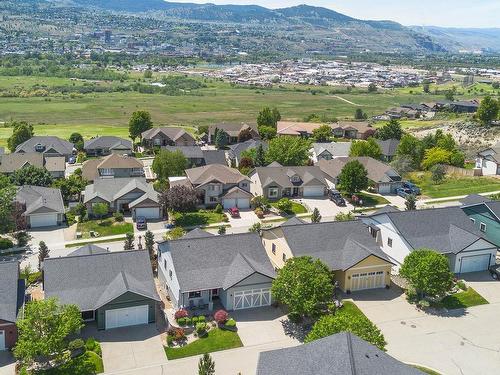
(475, 263)
(314, 191)
(129, 316)
(2, 340)
(251, 298)
(48, 220)
(243, 203)
(148, 212)
(367, 280)
(229, 203)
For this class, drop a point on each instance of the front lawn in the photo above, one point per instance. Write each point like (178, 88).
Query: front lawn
(297, 208)
(369, 200)
(463, 300)
(216, 340)
(453, 185)
(85, 364)
(106, 227)
(351, 309)
(200, 217)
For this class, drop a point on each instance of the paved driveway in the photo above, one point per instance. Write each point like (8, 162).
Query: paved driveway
(247, 219)
(460, 342)
(129, 347)
(326, 207)
(7, 363)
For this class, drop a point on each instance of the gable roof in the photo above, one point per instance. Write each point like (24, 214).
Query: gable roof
(90, 168)
(361, 127)
(377, 171)
(236, 149)
(40, 198)
(340, 354)
(113, 188)
(171, 132)
(197, 233)
(473, 199)
(214, 157)
(335, 149)
(217, 172)
(91, 281)
(89, 249)
(208, 262)
(297, 128)
(108, 141)
(14, 161)
(340, 245)
(446, 230)
(11, 291)
(281, 175)
(189, 152)
(61, 146)
(290, 222)
(232, 129)
(388, 146)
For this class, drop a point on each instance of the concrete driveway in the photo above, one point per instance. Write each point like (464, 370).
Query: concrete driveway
(247, 219)
(459, 342)
(52, 236)
(326, 207)
(7, 363)
(129, 347)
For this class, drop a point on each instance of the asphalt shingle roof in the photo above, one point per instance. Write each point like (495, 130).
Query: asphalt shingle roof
(89, 249)
(236, 149)
(340, 245)
(377, 171)
(473, 199)
(11, 291)
(113, 188)
(309, 175)
(173, 133)
(40, 198)
(91, 281)
(388, 146)
(218, 172)
(210, 262)
(340, 354)
(336, 149)
(109, 142)
(61, 146)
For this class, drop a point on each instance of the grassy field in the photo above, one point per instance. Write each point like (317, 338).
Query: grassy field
(463, 300)
(453, 186)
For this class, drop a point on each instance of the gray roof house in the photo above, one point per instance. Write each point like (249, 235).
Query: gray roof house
(112, 166)
(167, 136)
(446, 230)
(198, 157)
(488, 160)
(276, 181)
(484, 214)
(108, 144)
(42, 206)
(234, 152)
(233, 131)
(55, 165)
(127, 195)
(388, 148)
(330, 151)
(384, 178)
(89, 249)
(47, 145)
(347, 248)
(203, 270)
(115, 289)
(12, 291)
(340, 354)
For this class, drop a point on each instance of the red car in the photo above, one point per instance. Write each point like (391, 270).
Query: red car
(234, 212)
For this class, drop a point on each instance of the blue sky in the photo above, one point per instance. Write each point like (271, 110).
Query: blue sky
(453, 13)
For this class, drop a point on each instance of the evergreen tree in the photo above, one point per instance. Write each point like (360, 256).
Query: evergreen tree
(315, 217)
(43, 252)
(206, 365)
(260, 156)
(129, 242)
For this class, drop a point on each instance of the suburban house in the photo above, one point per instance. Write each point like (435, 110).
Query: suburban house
(204, 270)
(276, 181)
(105, 145)
(389, 148)
(167, 136)
(198, 157)
(383, 178)
(485, 215)
(218, 184)
(297, 129)
(340, 354)
(48, 146)
(113, 289)
(127, 195)
(112, 166)
(347, 248)
(42, 206)
(235, 151)
(12, 290)
(488, 160)
(89, 249)
(353, 130)
(56, 165)
(329, 151)
(446, 230)
(233, 131)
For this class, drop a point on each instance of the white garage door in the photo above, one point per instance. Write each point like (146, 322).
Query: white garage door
(475, 263)
(2, 340)
(243, 203)
(148, 212)
(314, 191)
(129, 316)
(367, 280)
(229, 203)
(247, 299)
(47, 220)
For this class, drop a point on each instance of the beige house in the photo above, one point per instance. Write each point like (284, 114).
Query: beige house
(55, 165)
(112, 166)
(352, 254)
(167, 136)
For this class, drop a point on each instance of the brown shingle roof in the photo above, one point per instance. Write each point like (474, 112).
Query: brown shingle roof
(219, 172)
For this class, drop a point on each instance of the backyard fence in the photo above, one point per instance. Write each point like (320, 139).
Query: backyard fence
(462, 171)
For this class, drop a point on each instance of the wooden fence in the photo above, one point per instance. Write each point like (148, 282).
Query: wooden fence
(462, 171)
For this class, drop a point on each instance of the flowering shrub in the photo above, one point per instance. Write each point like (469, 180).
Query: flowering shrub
(179, 334)
(182, 313)
(221, 316)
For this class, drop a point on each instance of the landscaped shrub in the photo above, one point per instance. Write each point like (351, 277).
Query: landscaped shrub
(461, 285)
(218, 209)
(92, 345)
(170, 340)
(179, 334)
(194, 320)
(259, 212)
(182, 321)
(294, 317)
(284, 205)
(118, 216)
(221, 316)
(231, 323)
(22, 238)
(225, 219)
(5, 243)
(411, 295)
(202, 319)
(181, 313)
(76, 344)
(34, 277)
(201, 328)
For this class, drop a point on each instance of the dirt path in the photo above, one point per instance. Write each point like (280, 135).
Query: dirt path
(345, 100)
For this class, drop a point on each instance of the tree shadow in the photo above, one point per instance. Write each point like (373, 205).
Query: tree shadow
(297, 331)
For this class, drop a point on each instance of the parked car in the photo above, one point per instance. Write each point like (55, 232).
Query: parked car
(495, 271)
(141, 223)
(234, 212)
(72, 160)
(404, 192)
(336, 198)
(410, 185)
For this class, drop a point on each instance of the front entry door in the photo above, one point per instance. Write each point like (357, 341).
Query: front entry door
(295, 191)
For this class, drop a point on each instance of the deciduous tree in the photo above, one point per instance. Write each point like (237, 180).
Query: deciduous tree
(268, 117)
(488, 110)
(21, 132)
(169, 163)
(31, 175)
(322, 134)
(353, 177)
(139, 122)
(288, 150)
(179, 198)
(100, 210)
(369, 148)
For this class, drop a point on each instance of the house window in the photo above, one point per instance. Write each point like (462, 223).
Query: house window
(106, 172)
(196, 294)
(273, 249)
(284, 257)
(213, 199)
(157, 142)
(389, 242)
(482, 227)
(88, 315)
(295, 179)
(244, 184)
(273, 192)
(170, 274)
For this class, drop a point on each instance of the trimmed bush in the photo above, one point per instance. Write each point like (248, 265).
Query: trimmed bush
(202, 319)
(194, 320)
(201, 328)
(218, 209)
(118, 216)
(183, 321)
(182, 313)
(221, 316)
(231, 323)
(5, 243)
(92, 345)
(170, 340)
(76, 344)
(179, 334)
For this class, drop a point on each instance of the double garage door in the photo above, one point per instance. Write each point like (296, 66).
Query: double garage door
(314, 191)
(47, 220)
(475, 263)
(367, 280)
(236, 202)
(247, 299)
(129, 316)
(148, 212)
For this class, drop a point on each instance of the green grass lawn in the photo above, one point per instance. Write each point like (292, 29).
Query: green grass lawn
(297, 208)
(351, 309)
(200, 217)
(453, 186)
(463, 300)
(369, 200)
(86, 364)
(106, 227)
(216, 340)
